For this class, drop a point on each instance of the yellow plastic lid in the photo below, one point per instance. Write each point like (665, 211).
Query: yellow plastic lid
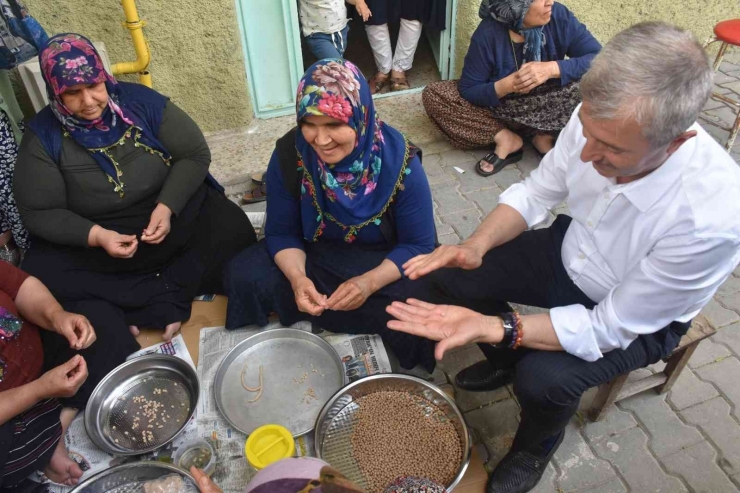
(268, 444)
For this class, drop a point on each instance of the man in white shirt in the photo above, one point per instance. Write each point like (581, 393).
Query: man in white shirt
(655, 231)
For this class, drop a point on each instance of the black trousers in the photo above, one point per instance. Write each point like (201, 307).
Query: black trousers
(548, 384)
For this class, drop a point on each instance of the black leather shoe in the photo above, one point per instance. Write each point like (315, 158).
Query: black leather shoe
(519, 472)
(481, 377)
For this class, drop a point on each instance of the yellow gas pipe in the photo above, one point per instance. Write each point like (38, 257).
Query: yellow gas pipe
(136, 27)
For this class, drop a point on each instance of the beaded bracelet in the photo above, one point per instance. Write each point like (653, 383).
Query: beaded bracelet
(518, 331)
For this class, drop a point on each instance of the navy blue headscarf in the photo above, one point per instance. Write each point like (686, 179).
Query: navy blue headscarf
(511, 13)
(356, 191)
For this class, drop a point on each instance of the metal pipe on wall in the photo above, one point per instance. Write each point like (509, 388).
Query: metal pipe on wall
(143, 56)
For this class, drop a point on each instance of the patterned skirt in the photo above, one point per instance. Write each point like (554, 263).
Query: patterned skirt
(545, 110)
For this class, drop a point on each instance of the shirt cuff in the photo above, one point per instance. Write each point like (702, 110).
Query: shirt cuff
(518, 197)
(575, 332)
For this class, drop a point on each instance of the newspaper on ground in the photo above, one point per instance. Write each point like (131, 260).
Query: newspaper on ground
(174, 347)
(362, 355)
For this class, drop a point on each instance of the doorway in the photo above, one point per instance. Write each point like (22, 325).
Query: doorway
(276, 55)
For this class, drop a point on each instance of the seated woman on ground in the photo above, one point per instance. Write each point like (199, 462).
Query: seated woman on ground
(32, 421)
(516, 81)
(347, 204)
(126, 224)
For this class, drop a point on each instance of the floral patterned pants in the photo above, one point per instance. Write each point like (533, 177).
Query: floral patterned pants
(10, 219)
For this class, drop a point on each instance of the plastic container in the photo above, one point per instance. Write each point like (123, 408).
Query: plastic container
(268, 444)
(198, 453)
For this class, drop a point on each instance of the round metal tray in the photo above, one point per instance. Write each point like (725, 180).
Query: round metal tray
(114, 419)
(300, 371)
(127, 478)
(336, 422)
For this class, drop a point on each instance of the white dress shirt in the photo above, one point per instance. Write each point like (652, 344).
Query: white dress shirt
(322, 16)
(647, 252)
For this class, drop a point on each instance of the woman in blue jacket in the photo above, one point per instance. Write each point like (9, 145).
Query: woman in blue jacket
(516, 81)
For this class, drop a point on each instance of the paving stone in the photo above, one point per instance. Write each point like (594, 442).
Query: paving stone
(669, 434)
(547, 484)
(450, 201)
(628, 452)
(614, 422)
(689, 391)
(728, 67)
(724, 376)
(713, 418)
(506, 177)
(657, 367)
(736, 272)
(719, 316)
(453, 363)
(464, 223)
(697, 466)
(451, 239)
(434, 171)
(529, 162)
(638, 374)
(454, 157)
(729, 301)
(442, 228)
(470, 181)
(579, 467)
(612, 486)
(730, 337)
(730, 286)
(732, 86)
(436, 147)
(496, 425)
(486, 200)
(713, 104)
(723, 114)
(708, 352)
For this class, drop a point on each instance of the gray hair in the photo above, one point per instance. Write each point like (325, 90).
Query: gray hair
(655, 72)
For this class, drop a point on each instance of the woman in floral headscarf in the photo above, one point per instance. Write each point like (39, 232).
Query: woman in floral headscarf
(127, 226)
(520, 79)
(348, 204)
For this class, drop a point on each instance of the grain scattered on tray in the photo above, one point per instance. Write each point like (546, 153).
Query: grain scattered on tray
(424, 442)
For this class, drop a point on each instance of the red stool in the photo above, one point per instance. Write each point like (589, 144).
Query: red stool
(727, 33)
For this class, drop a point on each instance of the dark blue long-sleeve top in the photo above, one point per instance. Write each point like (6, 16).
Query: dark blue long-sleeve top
(490, 57)
(415, 230)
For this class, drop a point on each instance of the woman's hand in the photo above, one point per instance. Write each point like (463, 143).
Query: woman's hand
(534, 74)
(363, 10)
(351, 294)
(205, 484)
(116, 244)
(75, 328)
(64, 380)
(462, 256)
(453, 326)
(159, 225)
(307, 298)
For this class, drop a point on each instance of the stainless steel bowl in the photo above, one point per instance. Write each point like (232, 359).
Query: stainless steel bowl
(128, 478)
(336, 421)
(116, 415)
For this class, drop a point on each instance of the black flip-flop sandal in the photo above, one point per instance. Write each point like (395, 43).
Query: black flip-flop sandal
(498, 163)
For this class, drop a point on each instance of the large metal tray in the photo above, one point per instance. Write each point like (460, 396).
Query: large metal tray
(114, 419)
(301, 372)
(128, 478)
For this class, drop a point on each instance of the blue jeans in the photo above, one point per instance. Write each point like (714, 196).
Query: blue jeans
(332, 45)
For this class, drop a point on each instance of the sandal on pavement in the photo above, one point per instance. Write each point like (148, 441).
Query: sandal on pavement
(377, 84)
(257, 194)
(399, 84)
(497, 162)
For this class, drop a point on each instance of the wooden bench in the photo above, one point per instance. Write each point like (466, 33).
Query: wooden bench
(618, 388)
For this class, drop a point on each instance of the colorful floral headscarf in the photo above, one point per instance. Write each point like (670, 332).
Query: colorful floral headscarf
(356, 191)
(70, 59)
(511, 13)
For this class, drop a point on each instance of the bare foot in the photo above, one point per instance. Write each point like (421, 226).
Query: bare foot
(134, 330)
(507, 142)
(543, 143)
(61, 469)
(170, 330)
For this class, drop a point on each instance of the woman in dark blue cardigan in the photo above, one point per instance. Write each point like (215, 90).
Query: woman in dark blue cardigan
(516, 81)
(348, 204)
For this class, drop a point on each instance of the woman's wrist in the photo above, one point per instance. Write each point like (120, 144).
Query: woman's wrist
(554, 70)
(93, 237)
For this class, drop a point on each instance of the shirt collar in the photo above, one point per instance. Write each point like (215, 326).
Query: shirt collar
(646, 191)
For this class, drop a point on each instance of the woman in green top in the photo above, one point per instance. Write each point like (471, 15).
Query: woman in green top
(126, 224)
